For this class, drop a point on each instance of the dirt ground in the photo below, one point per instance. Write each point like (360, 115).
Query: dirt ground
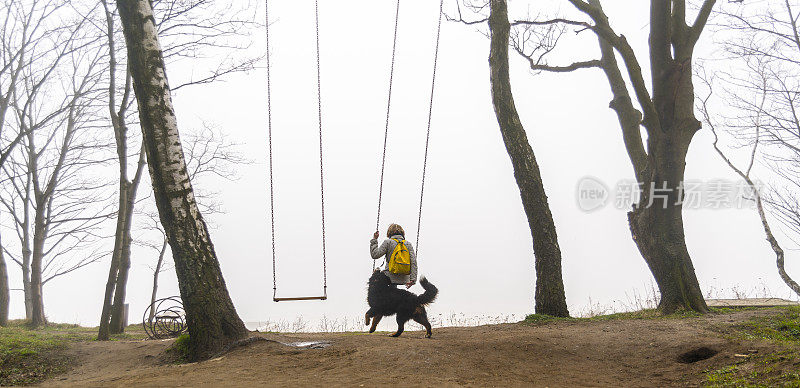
(623, 352)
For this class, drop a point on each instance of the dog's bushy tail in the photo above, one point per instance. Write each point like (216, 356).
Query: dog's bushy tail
(430, 293)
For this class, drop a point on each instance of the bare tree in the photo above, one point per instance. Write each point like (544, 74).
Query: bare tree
(23, 28)
(51, 195)
(761, 44)
(112, 319)
(191, 29)
(549, 297)
(745, 174)
(668, 118)
(198, 31)
(666, 114)
(210, 315)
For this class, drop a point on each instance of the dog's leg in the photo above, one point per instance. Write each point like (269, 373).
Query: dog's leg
(401, 322)
(375, 320)
(421, 317)
(369, 314)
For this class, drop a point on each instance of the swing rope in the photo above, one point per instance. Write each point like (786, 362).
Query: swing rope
(388, 110)
(430, 115)
(269, 135)
(321, 168)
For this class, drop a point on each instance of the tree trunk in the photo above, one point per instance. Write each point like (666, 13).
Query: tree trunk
(657, 229)
(550, 297)
(5, 294)
(37, 302)
(117, 283)
(26, 269)
(125, 222)
(26, 288)
(155, 279)
(656, 222)
(210, 315)
(105, 315)
(118, 310)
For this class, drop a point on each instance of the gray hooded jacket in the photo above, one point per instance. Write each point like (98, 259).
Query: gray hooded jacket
(385, 250)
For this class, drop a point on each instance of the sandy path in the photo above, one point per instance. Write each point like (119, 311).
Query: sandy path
(598, 353)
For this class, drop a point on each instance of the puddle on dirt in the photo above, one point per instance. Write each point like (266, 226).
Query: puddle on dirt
(309, 344)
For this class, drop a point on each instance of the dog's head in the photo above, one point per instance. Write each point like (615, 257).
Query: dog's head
(379, 279)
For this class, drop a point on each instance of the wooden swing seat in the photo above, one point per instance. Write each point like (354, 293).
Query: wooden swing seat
(324, 297)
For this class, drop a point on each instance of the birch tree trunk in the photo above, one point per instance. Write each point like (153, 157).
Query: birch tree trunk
(550, 297)
(210, 315)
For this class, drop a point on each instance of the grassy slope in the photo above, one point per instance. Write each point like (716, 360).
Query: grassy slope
(781, 368)
(29, 356)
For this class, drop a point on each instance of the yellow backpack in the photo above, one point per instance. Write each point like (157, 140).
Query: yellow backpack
(400, 261)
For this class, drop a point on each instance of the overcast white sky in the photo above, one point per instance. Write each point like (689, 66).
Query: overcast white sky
(475, 243)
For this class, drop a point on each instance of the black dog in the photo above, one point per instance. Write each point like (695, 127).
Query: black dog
(385, 299)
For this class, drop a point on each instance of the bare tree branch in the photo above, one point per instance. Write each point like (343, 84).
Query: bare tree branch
(701, 20)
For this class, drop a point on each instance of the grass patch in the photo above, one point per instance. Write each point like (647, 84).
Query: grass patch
(726, 377)
(646, 314)
(764, 370)
(768, 370)
(538, 319)
(29, 356)
(727, 310)
(783, 327)
(178, 353)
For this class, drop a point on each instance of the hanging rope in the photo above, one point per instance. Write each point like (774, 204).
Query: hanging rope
(269, 135)
(321, 168)
(428, 135)
(388, 110)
